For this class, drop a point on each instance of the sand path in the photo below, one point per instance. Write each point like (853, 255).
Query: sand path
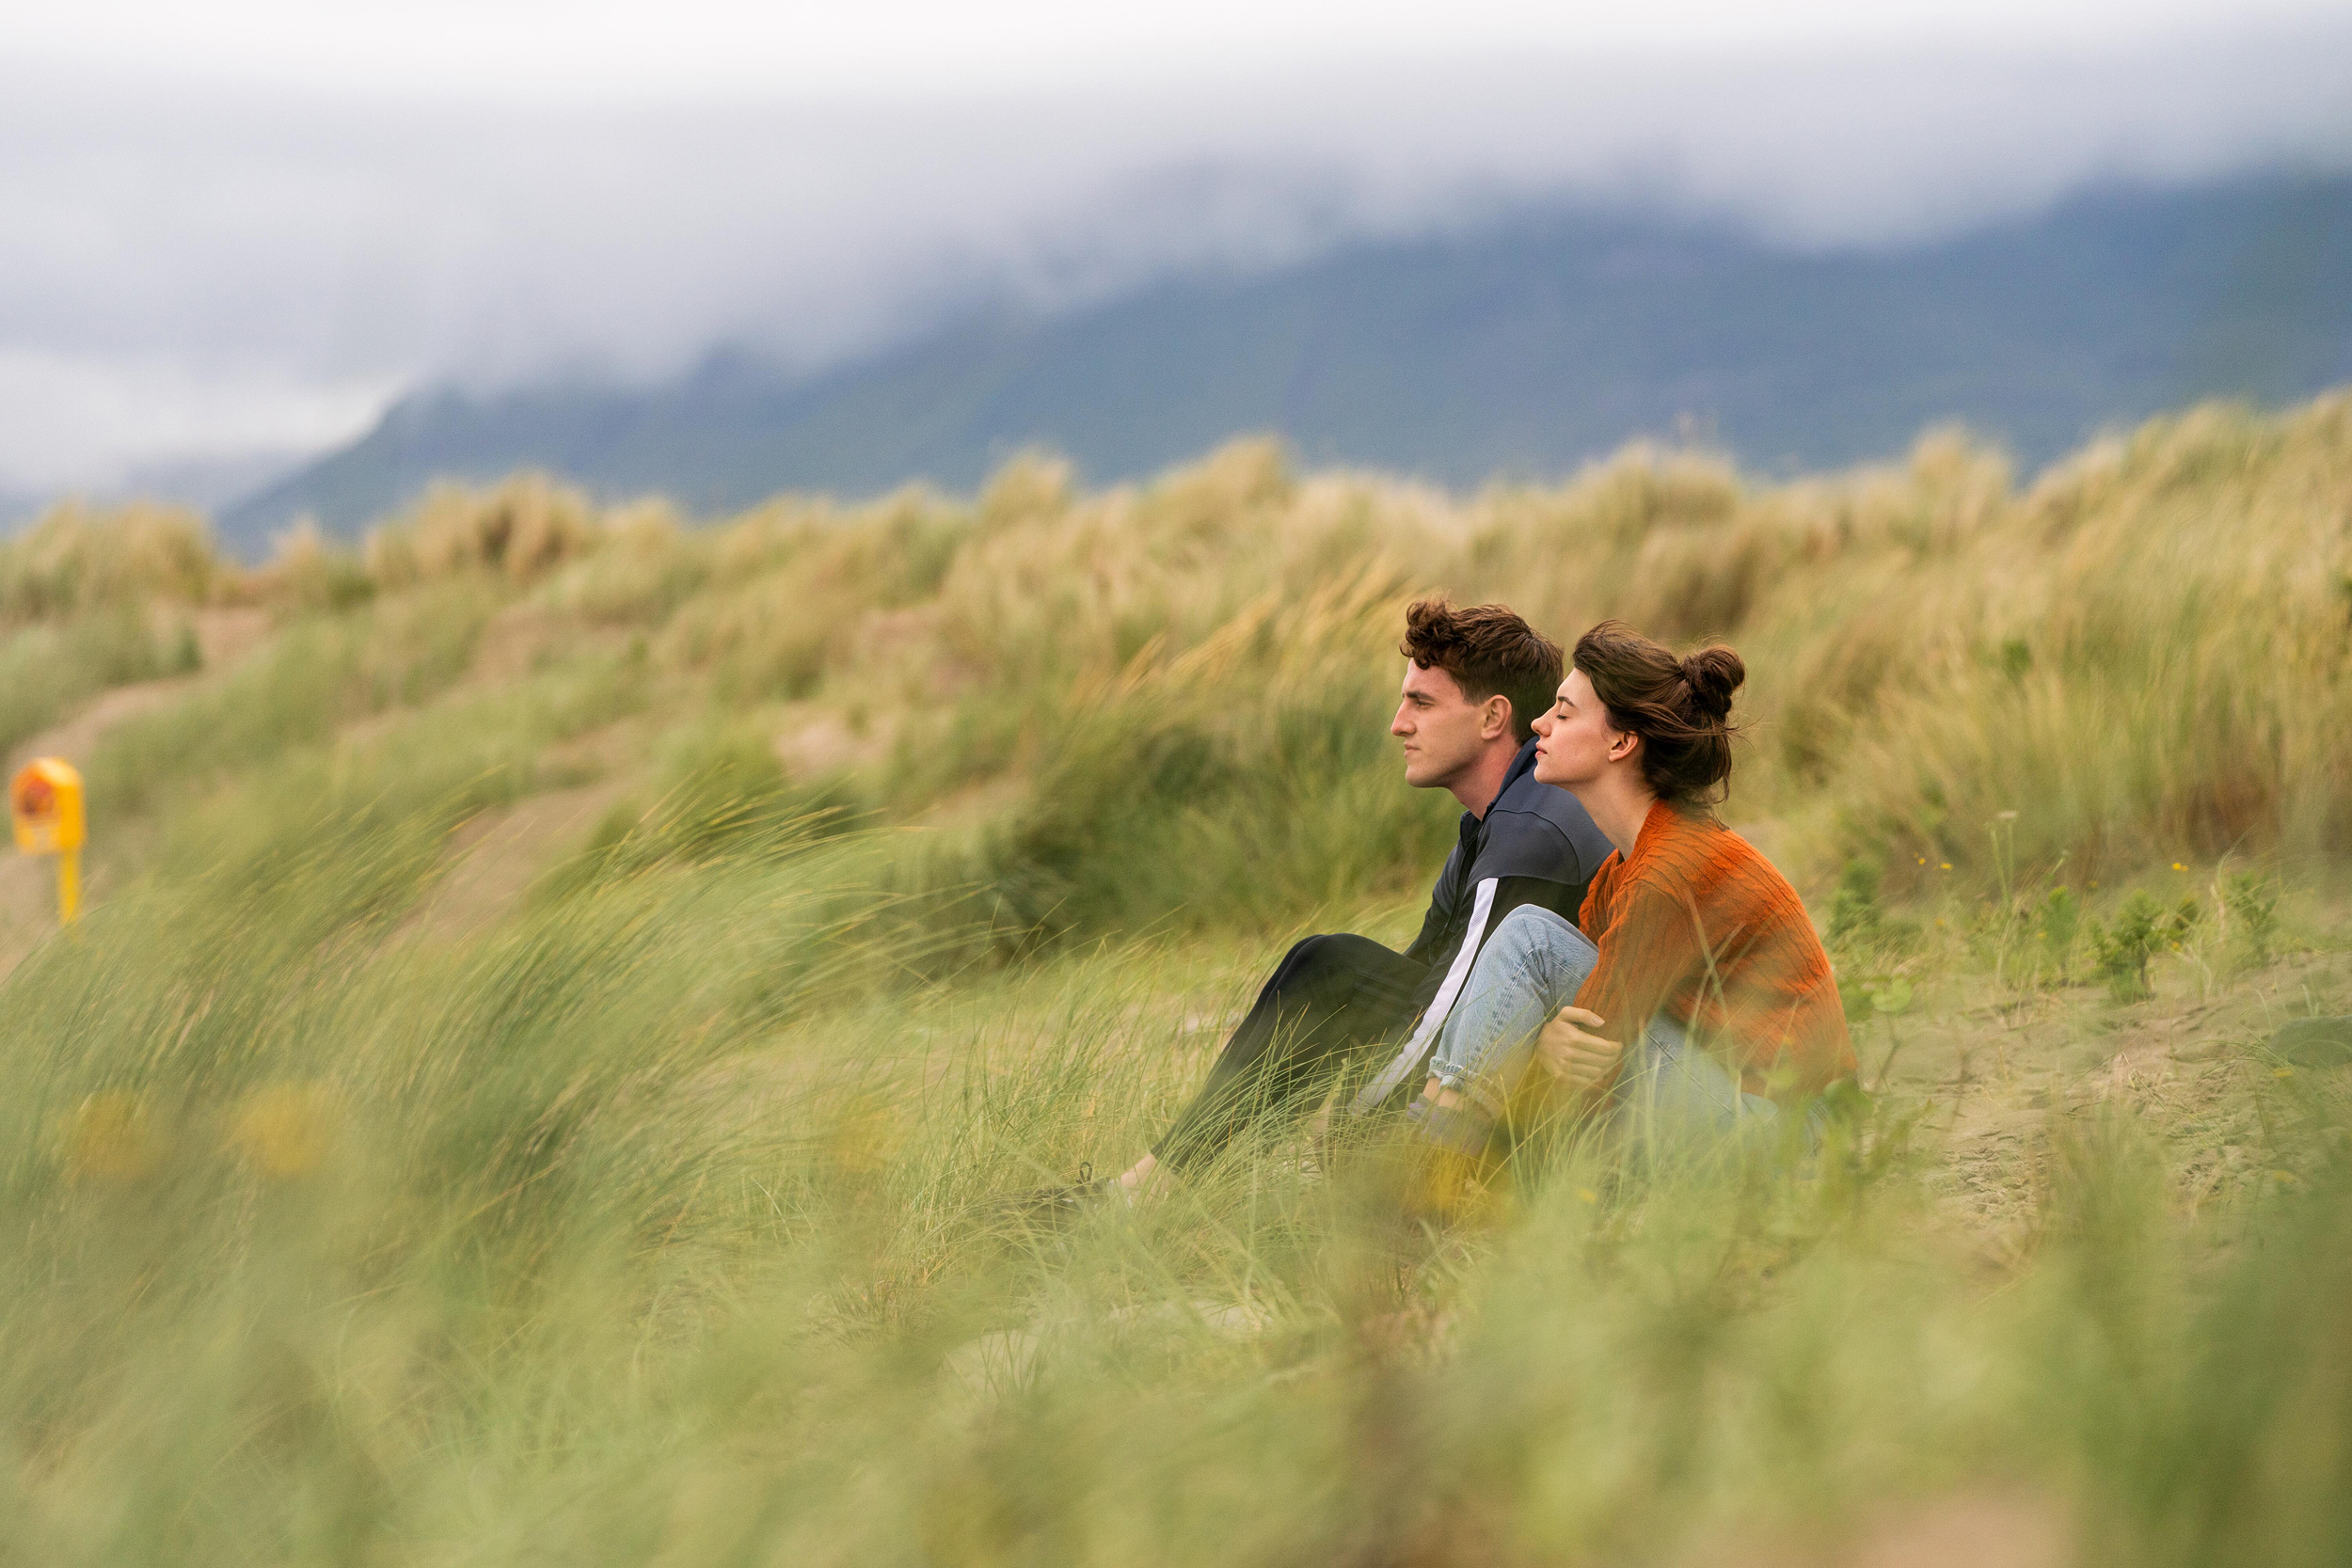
(28, 885)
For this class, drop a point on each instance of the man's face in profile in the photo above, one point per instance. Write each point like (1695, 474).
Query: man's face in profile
(1441, 729)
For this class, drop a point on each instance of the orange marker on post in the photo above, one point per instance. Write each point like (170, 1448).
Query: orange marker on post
(45, 803)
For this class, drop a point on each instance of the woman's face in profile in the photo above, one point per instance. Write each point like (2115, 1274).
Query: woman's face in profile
(1574, 738)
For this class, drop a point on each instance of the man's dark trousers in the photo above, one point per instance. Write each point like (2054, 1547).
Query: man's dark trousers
(1328, 997)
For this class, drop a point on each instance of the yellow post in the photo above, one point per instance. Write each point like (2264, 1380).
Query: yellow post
(45, 805)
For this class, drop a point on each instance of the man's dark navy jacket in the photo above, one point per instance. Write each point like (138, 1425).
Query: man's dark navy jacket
(1534, 846)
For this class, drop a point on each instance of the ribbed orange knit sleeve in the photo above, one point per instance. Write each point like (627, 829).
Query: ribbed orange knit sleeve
(1648, 950)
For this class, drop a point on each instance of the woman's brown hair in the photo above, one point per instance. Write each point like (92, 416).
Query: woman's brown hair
(1679, 707)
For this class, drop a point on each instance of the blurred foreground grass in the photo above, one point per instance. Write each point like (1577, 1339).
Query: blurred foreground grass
(557, 1008)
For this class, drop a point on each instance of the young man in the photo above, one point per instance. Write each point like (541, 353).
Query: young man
(1474, 681)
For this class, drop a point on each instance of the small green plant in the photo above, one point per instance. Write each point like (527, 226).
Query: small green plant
(2142, 928)
(1854, 916)
(2062, 915)
(1859, 925)
(1890, 998)
(2251, 902)
(2004, 928)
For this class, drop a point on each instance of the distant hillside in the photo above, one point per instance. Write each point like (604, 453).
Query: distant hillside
(1523, 349)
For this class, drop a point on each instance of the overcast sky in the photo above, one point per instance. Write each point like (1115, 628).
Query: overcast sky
(239, 228)
(572, 51)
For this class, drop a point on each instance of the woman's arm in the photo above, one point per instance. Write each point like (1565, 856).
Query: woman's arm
(1648, 948)
(1575, 1055)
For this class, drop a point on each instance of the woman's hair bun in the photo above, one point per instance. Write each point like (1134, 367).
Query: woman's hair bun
(1680, 707)
(1714, 674)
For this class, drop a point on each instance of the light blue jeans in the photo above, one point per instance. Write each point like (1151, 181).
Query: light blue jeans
(1671, 1095)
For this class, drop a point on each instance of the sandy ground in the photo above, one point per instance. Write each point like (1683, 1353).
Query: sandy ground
(1999, 1077)
(1980, 1528)
(495, 856)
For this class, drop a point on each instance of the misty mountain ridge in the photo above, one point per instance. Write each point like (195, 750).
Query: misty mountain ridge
(1523, 349)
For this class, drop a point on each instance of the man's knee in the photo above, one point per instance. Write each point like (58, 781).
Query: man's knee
(1313, 956)
(1333, 968)
(1533, 929)
(1305, 949)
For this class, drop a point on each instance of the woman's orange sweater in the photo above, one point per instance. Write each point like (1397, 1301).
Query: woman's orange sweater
(1700, 926)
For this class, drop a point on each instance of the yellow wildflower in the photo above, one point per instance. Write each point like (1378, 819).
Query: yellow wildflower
(284, 1129)
(110, 1137)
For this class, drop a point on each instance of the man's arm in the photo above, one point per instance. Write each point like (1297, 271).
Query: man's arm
(1425, 946)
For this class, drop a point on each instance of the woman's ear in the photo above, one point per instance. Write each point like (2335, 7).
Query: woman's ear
(1624, 744)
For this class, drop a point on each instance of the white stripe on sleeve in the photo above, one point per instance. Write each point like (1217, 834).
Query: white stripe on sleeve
(1417, 1047)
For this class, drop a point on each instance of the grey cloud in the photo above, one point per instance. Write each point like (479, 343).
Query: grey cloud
(250, 240)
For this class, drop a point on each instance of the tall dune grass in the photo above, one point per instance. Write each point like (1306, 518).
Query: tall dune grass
(2137, 655)
(89, 601)
(659, 1227)
(929, 847)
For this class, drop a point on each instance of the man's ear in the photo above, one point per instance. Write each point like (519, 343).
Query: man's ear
(1494, 717)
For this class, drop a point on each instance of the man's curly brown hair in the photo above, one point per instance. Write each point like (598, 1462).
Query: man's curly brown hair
(1487, 650)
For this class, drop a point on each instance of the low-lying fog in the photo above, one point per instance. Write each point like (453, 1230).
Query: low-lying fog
(198, 274)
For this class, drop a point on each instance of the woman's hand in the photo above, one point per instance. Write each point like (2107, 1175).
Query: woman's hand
(1572, 1053)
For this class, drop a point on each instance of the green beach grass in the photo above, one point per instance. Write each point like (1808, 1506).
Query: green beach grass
(561, 997)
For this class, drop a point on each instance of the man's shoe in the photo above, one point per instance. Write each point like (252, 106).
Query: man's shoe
(1054, 1208)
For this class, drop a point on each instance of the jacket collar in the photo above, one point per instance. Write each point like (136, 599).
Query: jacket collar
(1521, 766)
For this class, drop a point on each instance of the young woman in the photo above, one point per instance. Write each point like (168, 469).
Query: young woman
(1702, 1002)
